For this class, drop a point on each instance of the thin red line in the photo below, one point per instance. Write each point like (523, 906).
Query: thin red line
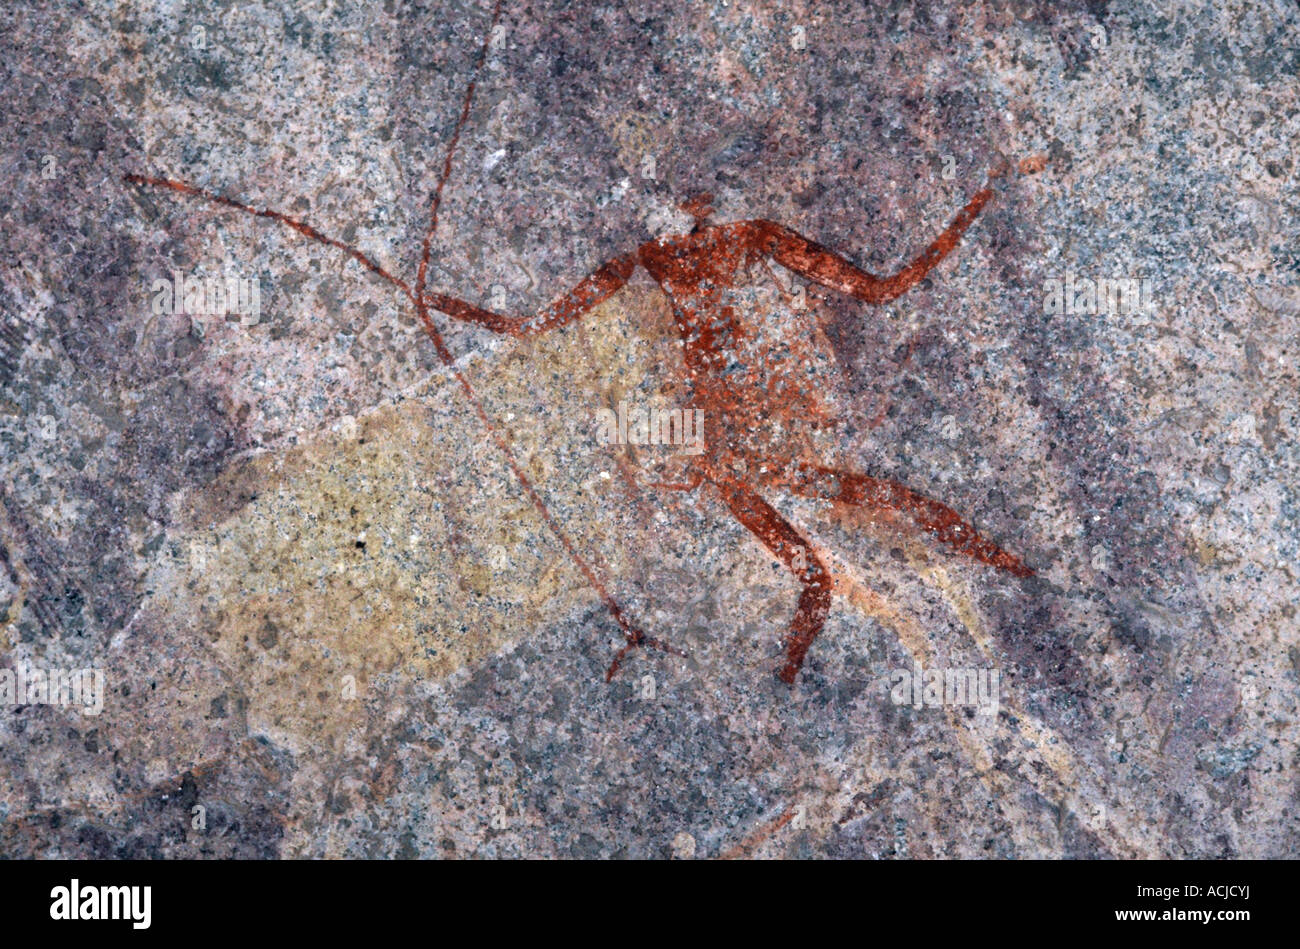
(451, 151)
(302, 228)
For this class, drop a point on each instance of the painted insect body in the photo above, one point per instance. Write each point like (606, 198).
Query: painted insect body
(698, 271)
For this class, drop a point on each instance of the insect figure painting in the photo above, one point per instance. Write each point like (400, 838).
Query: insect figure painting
(741, 378)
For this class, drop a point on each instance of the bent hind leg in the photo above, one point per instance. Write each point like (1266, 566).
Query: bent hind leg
(939, 520)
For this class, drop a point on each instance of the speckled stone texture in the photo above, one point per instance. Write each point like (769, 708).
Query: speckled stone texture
(330, 622)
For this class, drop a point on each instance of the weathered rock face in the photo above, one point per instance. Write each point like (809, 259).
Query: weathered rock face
(331, 620)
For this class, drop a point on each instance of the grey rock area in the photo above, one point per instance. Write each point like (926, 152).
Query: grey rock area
(328, 619)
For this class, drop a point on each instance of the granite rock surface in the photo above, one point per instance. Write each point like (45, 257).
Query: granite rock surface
(326, 615)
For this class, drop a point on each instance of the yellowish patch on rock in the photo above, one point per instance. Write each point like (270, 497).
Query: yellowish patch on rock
(401, 544)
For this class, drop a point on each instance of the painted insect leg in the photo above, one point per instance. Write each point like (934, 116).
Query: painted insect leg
(781, 538)
(941, 521)
(584, 297)
(822, 265)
